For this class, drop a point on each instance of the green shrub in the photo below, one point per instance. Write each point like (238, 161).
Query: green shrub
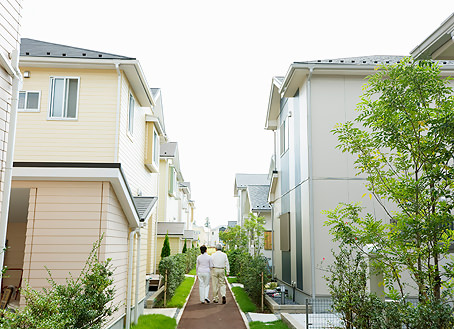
(165, 251)
(236, 259)
(251, 269)
(176, 267)
(185, 248)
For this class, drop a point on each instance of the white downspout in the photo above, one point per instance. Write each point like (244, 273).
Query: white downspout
(311, 185)
(136, 303)
(14, 71)
(129, 292)
(117, 123)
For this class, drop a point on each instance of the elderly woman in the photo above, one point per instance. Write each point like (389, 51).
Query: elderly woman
(203, 273)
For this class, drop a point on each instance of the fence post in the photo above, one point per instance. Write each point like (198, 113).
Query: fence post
(165, 290)
(262, 293)
(307, 313)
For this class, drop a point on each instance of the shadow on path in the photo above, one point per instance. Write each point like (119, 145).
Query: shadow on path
(210, 316)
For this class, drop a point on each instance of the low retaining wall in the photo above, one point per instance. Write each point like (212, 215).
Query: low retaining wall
(277, 308)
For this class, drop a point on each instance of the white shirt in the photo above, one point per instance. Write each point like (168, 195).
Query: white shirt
(203, 263)
(220, 260)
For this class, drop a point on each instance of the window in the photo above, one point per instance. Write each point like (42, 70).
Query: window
(172, 181)
(155, 147)
(29, 101)
(64, 94)
(131, 114)
(284, 136)
(268, 240)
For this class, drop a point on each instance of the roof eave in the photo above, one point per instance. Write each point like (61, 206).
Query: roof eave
(437, 42)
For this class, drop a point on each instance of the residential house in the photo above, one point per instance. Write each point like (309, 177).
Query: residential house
(202, 234)
(86, 165)
(175, 206)
(252, 192)
(10, 77)
(214, 234)
(308, 173)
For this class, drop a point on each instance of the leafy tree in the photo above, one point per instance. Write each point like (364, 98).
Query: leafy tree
(165, 251)
(255, 229)
(185, 248)
(403, 140)
(234, 237)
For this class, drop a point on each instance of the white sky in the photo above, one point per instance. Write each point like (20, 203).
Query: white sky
(214, 61)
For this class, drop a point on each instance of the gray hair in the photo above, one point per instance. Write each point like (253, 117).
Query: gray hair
(218, 246)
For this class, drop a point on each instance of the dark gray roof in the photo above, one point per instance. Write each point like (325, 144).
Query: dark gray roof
(243, 180)
(364, 60)
(169, 149)
(36, 48)
(144, 205)
(258, 197)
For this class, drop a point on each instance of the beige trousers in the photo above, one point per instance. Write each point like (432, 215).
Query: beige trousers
(218, 281)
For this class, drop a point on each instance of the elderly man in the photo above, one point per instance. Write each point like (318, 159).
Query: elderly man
(220, 265)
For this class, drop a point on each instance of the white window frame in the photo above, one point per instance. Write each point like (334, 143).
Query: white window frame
(49, 117)
(131, 124)
(26, 96)
(284, 136)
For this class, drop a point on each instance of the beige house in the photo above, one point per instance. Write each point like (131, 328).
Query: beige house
(175, 206)
(10, 78)
(86, 164)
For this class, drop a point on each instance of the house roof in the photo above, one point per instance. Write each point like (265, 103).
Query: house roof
(258, 197)
(144, 205)
(439, 45)
(359, 60)
(243, 180)
(37, 48)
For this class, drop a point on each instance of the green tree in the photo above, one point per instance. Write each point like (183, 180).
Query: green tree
(185, 248)
(165, 251)
(254, 226)
(234, 237)
(403, 140)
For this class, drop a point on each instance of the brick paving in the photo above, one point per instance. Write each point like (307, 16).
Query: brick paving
(210, 316)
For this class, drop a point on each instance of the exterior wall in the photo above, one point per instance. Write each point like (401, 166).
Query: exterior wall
(151, 243)
(15, 252)
(10, 16)
(64, 220)
(163, 190)
(176, 247)
(89, 138)
(132, 146)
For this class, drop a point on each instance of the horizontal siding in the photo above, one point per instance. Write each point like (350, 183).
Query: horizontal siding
(90, 138)
(132, 148)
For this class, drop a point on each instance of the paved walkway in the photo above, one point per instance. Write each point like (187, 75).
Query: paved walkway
(209, 316)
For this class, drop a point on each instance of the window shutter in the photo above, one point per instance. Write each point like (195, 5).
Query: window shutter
(285, 231)
(268, 240)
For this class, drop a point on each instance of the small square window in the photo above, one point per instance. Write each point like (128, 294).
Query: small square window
(29, 101)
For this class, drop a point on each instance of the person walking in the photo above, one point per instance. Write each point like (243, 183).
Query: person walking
(203, 273)
(220, 265)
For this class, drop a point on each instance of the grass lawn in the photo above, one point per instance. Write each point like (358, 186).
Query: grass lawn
(181, 293)
(243, 300)
(192, 272)
(268, 325)
(232, 279)
(155, 321)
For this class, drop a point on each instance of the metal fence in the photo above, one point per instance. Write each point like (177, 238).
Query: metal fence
(319, 314)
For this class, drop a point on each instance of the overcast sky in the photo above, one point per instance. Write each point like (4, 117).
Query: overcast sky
(214, 61)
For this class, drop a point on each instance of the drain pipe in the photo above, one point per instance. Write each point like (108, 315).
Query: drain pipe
(136, 303)
(129, 292)
(13, 70)
(311, 184)
(117, 123)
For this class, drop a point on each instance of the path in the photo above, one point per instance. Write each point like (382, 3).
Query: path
(209, 316)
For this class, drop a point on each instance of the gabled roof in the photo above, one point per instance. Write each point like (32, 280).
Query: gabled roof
(37, 48)
(359, 60)
(171, 228)
(243, 180)
(144, 205)
(258, 197)
(439, 45)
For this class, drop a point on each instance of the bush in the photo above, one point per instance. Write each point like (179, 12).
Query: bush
(236, 259)
(177, 266)
(84, 302)
(165, 251)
